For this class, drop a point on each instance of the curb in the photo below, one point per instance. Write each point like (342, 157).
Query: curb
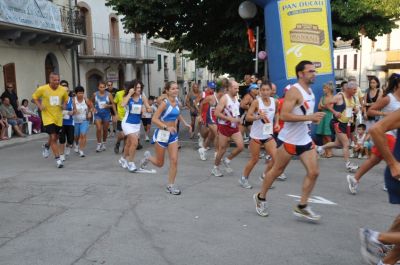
(18, 140)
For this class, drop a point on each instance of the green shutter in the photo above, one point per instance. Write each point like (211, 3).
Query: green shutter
(159, 62)
(174, 63)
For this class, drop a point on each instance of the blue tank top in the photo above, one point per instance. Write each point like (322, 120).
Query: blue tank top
(134, 111)
(170, 113)
(69, 119)
(100, 100)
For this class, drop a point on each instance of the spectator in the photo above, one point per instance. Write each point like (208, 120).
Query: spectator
(31, 116)
(3, 127)
(360, 149)
(10, 93)
(373, 94)
(324, 127)
(8, 112)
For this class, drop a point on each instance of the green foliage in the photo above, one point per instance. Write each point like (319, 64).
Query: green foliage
(215, 34)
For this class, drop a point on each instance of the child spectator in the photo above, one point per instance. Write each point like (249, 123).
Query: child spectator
(361, 142)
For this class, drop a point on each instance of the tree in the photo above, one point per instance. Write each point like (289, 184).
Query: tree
(216, 36)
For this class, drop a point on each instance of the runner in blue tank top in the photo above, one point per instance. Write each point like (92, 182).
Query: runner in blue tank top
(133, 102)
(166, 136)
(102, 101)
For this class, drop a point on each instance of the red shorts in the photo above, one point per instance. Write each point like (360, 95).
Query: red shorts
(226, 130)
(391, 140)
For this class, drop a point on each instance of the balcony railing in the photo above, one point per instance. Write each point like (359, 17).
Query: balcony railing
(393, 56)
(102, 45)
(72, 20)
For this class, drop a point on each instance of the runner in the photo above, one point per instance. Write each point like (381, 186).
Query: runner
(67, 130)
(146, 118)
(227, 112)
(263, 113)
(102, 101)
(192, 99)
(166, 137)
(211, 120)
(50, 100)
(114, 118)
(245, 103)
(133, 102)
(390, 102)
(344, 105)
(81, 118)
(204, 131)
(119, 96)
(294, 139)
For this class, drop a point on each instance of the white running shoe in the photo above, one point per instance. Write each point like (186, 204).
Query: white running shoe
(227, 165)
(59, 163)
(216, 172)
(282, 177)
(306, 213)
(123, 163)
(244, 183)
(76, 148)
(351, 167)
(62, 158)
(384, 187)
(103, 147)
(45, 151)
(201, 141)
(67, 151)
(202, 153)
(353, 184)
(320, 150)
(145, 160)
(371, 249)
(173, 189)
(132, 167)
(81, 153)
(98, 147)
(261, 206)
(147, 138)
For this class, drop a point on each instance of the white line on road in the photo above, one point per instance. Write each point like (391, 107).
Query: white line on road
(314, 199)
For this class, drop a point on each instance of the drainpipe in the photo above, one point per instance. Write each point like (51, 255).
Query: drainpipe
(72, 49)
(78, 71)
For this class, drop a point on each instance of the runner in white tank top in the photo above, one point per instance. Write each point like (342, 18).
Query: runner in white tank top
(297, 113)
(382, 107)
(263, 113)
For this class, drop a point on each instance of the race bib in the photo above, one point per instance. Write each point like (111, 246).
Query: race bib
(163, 136)
(349, 112)
(102, 104)
(267, 129)
(136, 109)
(235, 112)
(54, 101)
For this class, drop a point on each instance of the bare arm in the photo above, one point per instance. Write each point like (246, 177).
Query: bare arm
(156, 117)
(250, 113)
(375, 109)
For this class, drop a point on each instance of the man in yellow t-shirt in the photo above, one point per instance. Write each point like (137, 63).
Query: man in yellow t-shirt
(119, 96)
(51, 99)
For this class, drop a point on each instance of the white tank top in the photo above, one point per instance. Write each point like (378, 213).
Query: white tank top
(231, 110)
(298, 133)
(393, 105)
(81, 111)
(257, 129)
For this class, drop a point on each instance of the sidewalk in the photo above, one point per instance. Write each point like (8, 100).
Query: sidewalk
(20, 140)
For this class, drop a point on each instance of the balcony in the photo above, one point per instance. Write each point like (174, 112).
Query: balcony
(35, 22)
(393, 57)
(101, 47)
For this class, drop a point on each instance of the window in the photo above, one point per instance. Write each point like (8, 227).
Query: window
(345, 62)
(165, 62)
(174, 63)
(355, 61)
(159, 62)
(338, 62)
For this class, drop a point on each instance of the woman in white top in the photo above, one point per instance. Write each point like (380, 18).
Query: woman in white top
(81, 119)
(263, 112)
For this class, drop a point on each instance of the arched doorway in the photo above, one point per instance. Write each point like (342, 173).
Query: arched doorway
(121, 76)
(50, 65)
(93, 78)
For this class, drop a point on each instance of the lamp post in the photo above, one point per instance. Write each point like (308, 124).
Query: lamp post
(248, 11)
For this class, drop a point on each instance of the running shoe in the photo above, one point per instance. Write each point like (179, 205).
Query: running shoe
(244, 183)
(76, 148)
(116, 148)
(201, 140)
(123, 163)
(320, 150)
(227, 165)
(384, 187)
(147, 138)
(173, 189)
(98, 148)
(103, 147)
(371, 249)
(202, 153)
(261, 206)
(216, 172)
(45, 151)
(67, 151)
(62, 158)
(81, 153)
(145, 160)
(282, 177)
(353, 184)
(59, 163)
(246, 140)
(306, 213)
(132, 167)
(351, 167)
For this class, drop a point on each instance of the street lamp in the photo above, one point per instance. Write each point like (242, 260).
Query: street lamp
(248, 11)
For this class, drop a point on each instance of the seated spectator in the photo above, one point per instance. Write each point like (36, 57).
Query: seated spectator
(361, 137)
(3, 128)
(12, 96)
(31, 116)
(8, 112)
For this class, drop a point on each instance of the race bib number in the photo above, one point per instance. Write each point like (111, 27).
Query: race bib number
(54, 101)
(349, 112)
(163, 136)
(136, 109)
(102, 104)
(267, 129)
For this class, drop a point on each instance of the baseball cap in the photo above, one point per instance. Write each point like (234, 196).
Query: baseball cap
(211, 84)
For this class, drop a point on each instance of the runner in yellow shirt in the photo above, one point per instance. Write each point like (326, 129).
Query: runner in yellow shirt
(119, 96)
(51, 99)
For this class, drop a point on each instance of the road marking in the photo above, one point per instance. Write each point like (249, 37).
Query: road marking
(150, 171)
(314, 199)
